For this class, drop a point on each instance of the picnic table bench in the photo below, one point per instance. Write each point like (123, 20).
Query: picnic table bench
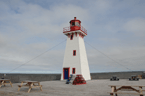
(126, 88)
(30, 84)
(5, 81)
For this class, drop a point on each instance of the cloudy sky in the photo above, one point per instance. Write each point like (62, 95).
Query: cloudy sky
(28, 28)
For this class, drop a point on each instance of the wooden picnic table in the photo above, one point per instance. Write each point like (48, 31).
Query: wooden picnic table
(30, 84)
(126, 88)
(5, 81)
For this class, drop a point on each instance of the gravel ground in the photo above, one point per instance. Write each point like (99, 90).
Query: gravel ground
(59, 88)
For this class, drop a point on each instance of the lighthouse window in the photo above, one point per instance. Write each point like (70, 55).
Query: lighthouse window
(71, 37)
(77, 23)
(74, 52)
(73, 71)
(73, 23)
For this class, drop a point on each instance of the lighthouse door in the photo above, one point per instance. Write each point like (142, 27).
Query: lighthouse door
(66, 73)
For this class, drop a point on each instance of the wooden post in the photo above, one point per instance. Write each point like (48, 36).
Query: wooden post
(140, 91)
(20, 86)
(40, 86)
(3, 83)
(115, 91)
(21, 83)
(0, 83)
(10, 83)
(113, 88)
(112, 91)
(111, 94)
(30, 87)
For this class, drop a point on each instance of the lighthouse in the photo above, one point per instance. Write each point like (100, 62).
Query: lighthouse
(75, 58)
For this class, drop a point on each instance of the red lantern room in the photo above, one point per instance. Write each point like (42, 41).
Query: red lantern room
(75, 26)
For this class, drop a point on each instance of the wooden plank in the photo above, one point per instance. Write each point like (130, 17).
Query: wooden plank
(30, 81)
(35, 86)
(28, 86)
(127, 85)
(126, 93)
(127, 88)
(23, 85)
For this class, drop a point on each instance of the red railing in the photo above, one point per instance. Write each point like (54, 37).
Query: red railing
(84, 30)
(67, 29)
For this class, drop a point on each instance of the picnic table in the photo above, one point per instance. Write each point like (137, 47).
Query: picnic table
(115, 90)
(5, 81)
(30, 84)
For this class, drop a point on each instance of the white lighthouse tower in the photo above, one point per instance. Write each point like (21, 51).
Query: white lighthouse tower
(75, 58)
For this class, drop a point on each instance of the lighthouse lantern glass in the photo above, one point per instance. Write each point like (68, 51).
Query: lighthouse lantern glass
(73, 23)
(77, 24)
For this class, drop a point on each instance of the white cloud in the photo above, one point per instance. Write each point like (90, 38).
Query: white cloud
(137, 26)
